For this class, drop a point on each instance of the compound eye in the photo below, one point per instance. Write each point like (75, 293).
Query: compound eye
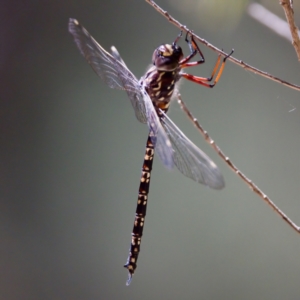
(160, 53)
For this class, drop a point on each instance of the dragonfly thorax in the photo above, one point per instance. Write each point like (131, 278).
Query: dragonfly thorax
(161, 78)
(160, 86)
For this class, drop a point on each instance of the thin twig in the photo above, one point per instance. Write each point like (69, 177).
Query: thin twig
(210, 46)
(289, 13)
(226, 159)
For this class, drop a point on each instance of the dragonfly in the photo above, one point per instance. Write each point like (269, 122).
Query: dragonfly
(150, 98)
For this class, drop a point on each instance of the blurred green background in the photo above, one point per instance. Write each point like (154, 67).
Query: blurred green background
(72, 150)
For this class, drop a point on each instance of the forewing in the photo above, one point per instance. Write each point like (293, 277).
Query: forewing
(190, 160)
(110, 68)
(113, 70)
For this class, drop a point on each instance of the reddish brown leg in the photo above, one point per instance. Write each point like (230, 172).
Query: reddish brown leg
(202, 80)
(194, 49)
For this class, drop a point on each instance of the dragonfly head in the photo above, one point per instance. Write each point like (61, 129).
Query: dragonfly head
(167, 57)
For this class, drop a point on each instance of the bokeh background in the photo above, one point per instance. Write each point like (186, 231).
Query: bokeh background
(71, 155)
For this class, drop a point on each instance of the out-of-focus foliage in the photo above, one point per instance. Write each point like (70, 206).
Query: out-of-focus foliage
(212, 13)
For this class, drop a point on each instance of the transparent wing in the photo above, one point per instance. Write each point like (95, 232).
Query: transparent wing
(117, 56)
(110, 68)
(113, 70)
(190, 160)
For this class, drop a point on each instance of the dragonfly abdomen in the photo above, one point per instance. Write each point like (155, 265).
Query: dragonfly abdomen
(141, 208)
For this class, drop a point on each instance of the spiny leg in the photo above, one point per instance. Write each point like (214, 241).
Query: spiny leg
(184, 63)
(141, 208)
(193, 49)
(204, 81)
(177, 38)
